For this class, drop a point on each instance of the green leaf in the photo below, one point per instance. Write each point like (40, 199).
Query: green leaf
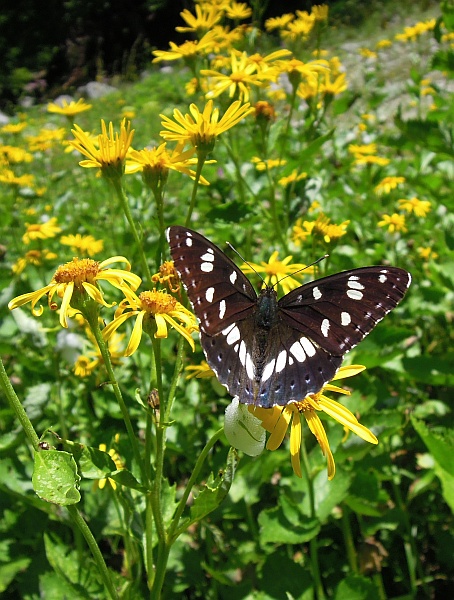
(126, 478)
(80, 576)
(9, 570)
(441, 446)
(431, 370)
(55, 477)
(215, 490)
(286, 524)
(356, 587)
(93, 463)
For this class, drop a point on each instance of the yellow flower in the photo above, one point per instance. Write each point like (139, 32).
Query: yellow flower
(202, 371)
(388, 184)
(13, 127)
(300, 28)
(242, 74)
(32, 257)
(84, 244)
(269, 163)
(362, 149)
(369, 159)
(335, 87)
(12, 154)
(69, 109)
(320, 12)
(320, 228)
(149, 307)
(41, 231)
(394, 222)
(426, 253)
(78, 279)
(383, 44)
(167, 276)
(204, 20)
(202, 128)
(118, 464)
(7, 176)
(92, 359)
(155, 163)
(294, 176)
(45, 139)
(278, 272)
(109, 154)
(419, 207)
(189, 50)
(279, 22)
(366, 53)
(298, 70)
(277, 419)
(238, 11)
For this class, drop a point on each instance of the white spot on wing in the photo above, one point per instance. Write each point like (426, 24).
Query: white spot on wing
(268, 370)
(228, 329)
(308, 346)
(242, 353)
(208, 256)
(188, 241)
(249, 366)
(298, 352)
(316, 293)
(325, 327)
(382, 278)
(206, 267)
(222, 307)
(345, 319)
(354, 294)
(209, 294)
(233, 277)
(233, 336)
(281, 361)
(354, 284)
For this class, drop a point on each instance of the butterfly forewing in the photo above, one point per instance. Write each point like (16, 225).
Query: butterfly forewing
(219, 292)
(270, 352)
(339, 310)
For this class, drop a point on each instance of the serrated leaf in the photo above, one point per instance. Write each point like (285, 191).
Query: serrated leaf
(215, 490)
(9, 570)
(81, 576)
(55, 478)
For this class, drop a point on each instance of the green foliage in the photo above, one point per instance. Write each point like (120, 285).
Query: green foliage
(116, 479)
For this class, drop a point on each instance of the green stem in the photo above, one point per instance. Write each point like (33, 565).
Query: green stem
(93, 323)
(17, 407)
(95, 551)
(201, 158)
(127, 211)
(313, 544)
(348, 540)
(173, 532)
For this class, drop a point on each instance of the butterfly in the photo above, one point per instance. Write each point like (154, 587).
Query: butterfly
(272, 352)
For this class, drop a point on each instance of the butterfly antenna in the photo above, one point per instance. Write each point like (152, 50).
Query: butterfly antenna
(303, 268)
(245, 261)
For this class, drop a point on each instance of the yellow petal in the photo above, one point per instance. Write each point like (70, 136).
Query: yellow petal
(65, 304)
(136, 335)
(348, 371)
(278, 433)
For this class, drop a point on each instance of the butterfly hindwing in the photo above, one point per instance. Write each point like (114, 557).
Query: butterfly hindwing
(219, 292)
(282, 367)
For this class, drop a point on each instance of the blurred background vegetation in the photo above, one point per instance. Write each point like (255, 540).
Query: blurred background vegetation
(53, 50)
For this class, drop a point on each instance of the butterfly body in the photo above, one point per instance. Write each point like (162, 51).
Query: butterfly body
(268, 351)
